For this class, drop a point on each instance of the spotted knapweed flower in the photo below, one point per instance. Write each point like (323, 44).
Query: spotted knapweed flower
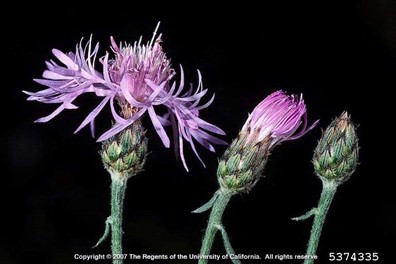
(139, 78)
(279, 117)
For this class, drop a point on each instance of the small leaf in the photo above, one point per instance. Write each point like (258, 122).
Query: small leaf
(208, 205)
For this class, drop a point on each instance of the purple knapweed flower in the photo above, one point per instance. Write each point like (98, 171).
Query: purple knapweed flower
(139, 78)
(279, 117)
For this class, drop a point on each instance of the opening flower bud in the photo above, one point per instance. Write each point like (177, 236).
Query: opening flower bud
(278, 118)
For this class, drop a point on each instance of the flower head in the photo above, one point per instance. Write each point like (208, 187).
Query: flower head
(139, 78)
(124, 155)
(336, 155)
(277, 118)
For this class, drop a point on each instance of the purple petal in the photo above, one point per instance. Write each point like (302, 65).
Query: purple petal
(54, 83)
(181, 86)
(93, 114)
(92, 128)
(69, 105)
(167, 96)
(195, 151)
(209, 127)
(55, 76)
(209, 137)
(194, 97)
(114, 45)
(202, 141)
(119, 127)
(181, 150)
(158, 127)
(156, 89)
(199, 108)
(106, 70)
(45, 92)
(124, 84)
(164, 119)
(65, 59)
(52, 115)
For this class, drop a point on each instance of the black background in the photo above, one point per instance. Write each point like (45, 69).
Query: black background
(340, 55)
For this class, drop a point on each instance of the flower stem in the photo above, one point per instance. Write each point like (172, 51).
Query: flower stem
(328, 192)
(215, 224)
(118, 187)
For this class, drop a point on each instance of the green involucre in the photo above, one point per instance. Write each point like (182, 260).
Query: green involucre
(336, 155)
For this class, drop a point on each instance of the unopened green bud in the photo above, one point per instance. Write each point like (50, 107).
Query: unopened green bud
(242, 163)
(336, 155)
(124, 155)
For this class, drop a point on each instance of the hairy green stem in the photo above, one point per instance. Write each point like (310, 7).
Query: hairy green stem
(222, 197)
(328, 192)
(118, 187)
